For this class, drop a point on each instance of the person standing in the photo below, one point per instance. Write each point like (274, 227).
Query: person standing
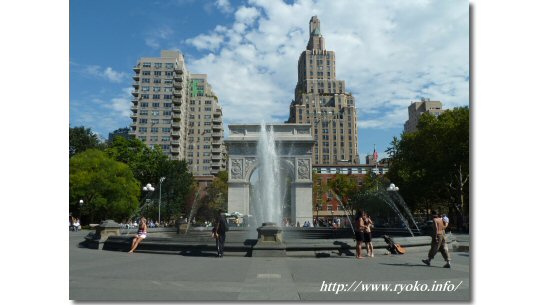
(140, 235)
(438, 240)
(219, 233)
(360, 228)
(368, 223)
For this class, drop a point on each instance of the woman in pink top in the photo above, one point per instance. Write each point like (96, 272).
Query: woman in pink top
(141, 234)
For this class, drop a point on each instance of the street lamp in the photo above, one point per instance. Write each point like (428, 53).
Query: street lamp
(393, 188)
(148, 188)
(160, 184)
(80, 202)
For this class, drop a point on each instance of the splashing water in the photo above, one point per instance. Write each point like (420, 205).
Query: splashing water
(268, 200)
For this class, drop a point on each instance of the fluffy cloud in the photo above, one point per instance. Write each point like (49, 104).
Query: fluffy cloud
(389, 53)
(224, 6)
(107, 73)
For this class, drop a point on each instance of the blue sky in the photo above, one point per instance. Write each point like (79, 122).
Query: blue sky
(389, 53)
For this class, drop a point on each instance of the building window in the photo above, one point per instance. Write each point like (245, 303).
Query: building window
(154, 129)
(143, 112)
(166, 129)
(154, 138)
(143, 121)
(158, 65)
(145, 88)
(145, 80)
(165, 139)
(157, 81)
(156, 89)
(157, 73)
(146, 65)
(167, 112)
(143, 129)
(154, 121)
(155, 105)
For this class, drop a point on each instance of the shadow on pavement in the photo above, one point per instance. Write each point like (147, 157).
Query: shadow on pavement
(406, 265)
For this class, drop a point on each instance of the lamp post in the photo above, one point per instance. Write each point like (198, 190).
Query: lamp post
(160, 187)
(148, 188)
(80, 202)
(393, 188)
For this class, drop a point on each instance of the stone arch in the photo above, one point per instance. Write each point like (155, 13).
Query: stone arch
(295, 155)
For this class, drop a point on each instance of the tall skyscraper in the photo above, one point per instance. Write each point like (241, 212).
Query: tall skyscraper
(159, 107)
(322, 101)
(205, 146)
(168, 103)
(416, 109)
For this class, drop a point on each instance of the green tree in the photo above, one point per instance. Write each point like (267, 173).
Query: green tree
(344, 186)
(148, 166)
(81, 139)
(431, 165)
(176, 187)
(146, 163)
(107, 187)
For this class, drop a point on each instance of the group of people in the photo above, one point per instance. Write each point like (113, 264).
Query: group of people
(363, 233)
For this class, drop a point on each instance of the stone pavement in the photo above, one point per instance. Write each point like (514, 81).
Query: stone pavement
(117, 276)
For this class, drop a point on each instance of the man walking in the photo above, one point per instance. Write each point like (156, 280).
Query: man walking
(438, 240)
(219, 232)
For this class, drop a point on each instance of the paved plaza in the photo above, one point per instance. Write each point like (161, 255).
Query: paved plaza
(113, 275)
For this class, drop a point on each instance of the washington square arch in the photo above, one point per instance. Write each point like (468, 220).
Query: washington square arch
(293, 146)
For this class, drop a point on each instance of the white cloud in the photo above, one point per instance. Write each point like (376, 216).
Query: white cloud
(389, 54)
(206, 42)
(224, 6)
(246, 15)
(121, 103)
(156, 37)
(107, 73)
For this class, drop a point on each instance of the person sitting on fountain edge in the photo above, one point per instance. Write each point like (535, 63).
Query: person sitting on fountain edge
(219, 232)
(438, 240)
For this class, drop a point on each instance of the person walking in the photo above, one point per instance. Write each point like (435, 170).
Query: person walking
(140, 235)
(438, 240)
(369, 224)
(219, 233)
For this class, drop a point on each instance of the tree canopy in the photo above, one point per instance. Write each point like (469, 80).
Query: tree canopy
(107, 187)
(81, 139)
(431, 165)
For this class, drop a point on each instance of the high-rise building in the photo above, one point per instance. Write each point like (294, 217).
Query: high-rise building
(322, 101)
(205, 147)
(168, 103)
(416, 109)
(159, 107)
(121, 132)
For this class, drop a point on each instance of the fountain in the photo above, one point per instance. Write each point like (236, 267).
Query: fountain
(269, 178)
(268, 203)
(396, 203)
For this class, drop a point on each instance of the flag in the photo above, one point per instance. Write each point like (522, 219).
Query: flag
(375, 154)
